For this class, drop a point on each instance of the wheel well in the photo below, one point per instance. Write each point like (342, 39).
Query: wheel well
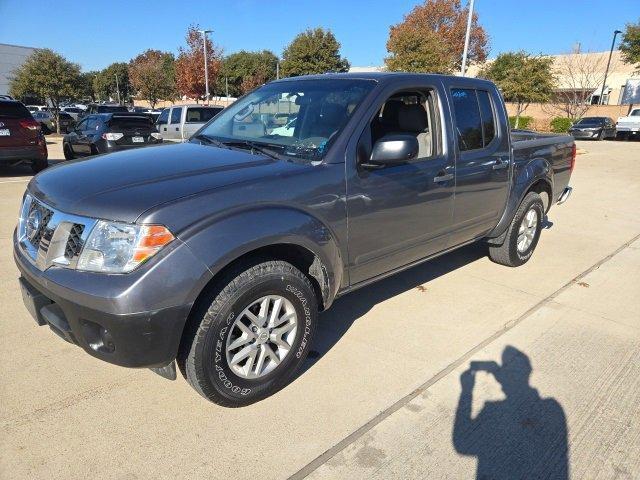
(540, 187)
(300, 257)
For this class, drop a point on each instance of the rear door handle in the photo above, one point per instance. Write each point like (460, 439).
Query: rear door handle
(443, 178)
(500, 164)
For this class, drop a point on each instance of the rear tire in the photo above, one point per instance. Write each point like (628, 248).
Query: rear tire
(235, 376)
(39, 165)
(523, 233)
(68, 153)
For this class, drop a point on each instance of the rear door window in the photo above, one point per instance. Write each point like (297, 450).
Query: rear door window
(164, 117)
(468, 120)
(488, 118)
(92, 123)
(176, 113)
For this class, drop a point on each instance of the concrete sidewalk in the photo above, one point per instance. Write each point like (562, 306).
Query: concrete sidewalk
(583, 344)
(64, 414)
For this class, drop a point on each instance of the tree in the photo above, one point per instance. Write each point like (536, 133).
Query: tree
(85, 85)
(190, 78)
(311, 52)
(431, 39)
(153, 76)
(113, 82)
(578, 76)
(522, 78)
(630, 46)
(248, 70)
(48, 75)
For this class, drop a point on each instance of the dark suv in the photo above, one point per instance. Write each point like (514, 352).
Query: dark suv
(21, 138)
(109, 132)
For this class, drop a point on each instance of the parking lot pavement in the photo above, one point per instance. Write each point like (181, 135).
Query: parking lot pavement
(379, 398)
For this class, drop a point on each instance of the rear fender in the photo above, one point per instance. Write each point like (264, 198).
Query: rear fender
(525, 176)
(220, 241)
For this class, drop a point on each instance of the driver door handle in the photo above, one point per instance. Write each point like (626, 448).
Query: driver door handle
(443, 178)
(500, 164)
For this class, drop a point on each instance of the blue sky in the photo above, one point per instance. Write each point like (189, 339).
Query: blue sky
(97, 33)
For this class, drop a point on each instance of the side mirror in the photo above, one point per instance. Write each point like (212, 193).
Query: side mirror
(394, 149)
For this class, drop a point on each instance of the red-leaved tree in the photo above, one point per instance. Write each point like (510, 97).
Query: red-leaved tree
(431, 39)
(190, 65)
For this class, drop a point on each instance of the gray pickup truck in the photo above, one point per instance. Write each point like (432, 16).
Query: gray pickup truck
(217, 254)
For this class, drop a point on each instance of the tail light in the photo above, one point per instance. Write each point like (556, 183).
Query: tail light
(573, 157)
(112, 136)
(30, 124)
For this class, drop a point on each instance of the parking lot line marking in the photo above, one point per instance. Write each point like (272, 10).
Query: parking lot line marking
(15, 181)
(352, 437)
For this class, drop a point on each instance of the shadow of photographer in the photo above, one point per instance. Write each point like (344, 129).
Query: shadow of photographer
(522, 436)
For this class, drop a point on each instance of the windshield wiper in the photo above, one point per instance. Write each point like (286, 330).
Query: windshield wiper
(253, 146)
(209, 140)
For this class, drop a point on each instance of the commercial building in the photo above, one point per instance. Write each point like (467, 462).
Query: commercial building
(11, 57)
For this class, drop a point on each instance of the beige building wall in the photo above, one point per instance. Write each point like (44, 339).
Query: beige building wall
(542, 114)
(586, 71)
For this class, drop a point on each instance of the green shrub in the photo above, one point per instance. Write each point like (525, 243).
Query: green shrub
(561, 124)
(524, 123)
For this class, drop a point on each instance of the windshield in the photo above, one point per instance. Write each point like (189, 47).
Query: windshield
(591, 121)
(264, 118)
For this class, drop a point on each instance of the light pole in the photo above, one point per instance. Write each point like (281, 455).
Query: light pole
(606, 72)
(117, 88)
(206, 67)
(466, 39)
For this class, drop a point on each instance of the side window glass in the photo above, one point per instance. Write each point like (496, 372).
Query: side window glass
(406, 113)
(468, 122)
(488, 118)
(176, 113)
(164, 117)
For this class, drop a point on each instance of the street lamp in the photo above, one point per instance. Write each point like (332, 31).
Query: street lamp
(606, 72)
(206, 67)
(118, 88)
(466, 39)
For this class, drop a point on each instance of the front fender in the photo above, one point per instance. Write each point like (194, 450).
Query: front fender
(220, 241)
(525, 176)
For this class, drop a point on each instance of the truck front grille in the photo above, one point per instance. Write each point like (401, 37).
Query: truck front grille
(59, 237)
(74, 243)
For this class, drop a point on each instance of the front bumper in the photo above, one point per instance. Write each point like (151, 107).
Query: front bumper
(585, 133)
(101, 313)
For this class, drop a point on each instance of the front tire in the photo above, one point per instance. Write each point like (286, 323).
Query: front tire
(523, 233)
(254, 334)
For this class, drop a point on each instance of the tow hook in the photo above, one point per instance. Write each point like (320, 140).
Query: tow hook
(168, 371)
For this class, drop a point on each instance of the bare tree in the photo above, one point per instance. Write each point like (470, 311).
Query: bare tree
(578, 76)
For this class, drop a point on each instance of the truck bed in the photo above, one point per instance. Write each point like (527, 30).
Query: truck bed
(557, 149)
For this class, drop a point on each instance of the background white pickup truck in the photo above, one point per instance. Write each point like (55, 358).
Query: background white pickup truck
(629, 125)
(179, 122)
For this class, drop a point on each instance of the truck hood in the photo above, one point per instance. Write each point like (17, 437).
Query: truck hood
(121, 186)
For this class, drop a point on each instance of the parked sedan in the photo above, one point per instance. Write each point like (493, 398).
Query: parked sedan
(109, 132)
(596, 128)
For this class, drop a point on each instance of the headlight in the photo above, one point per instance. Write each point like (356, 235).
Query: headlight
(121, 247)
(156, 135)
